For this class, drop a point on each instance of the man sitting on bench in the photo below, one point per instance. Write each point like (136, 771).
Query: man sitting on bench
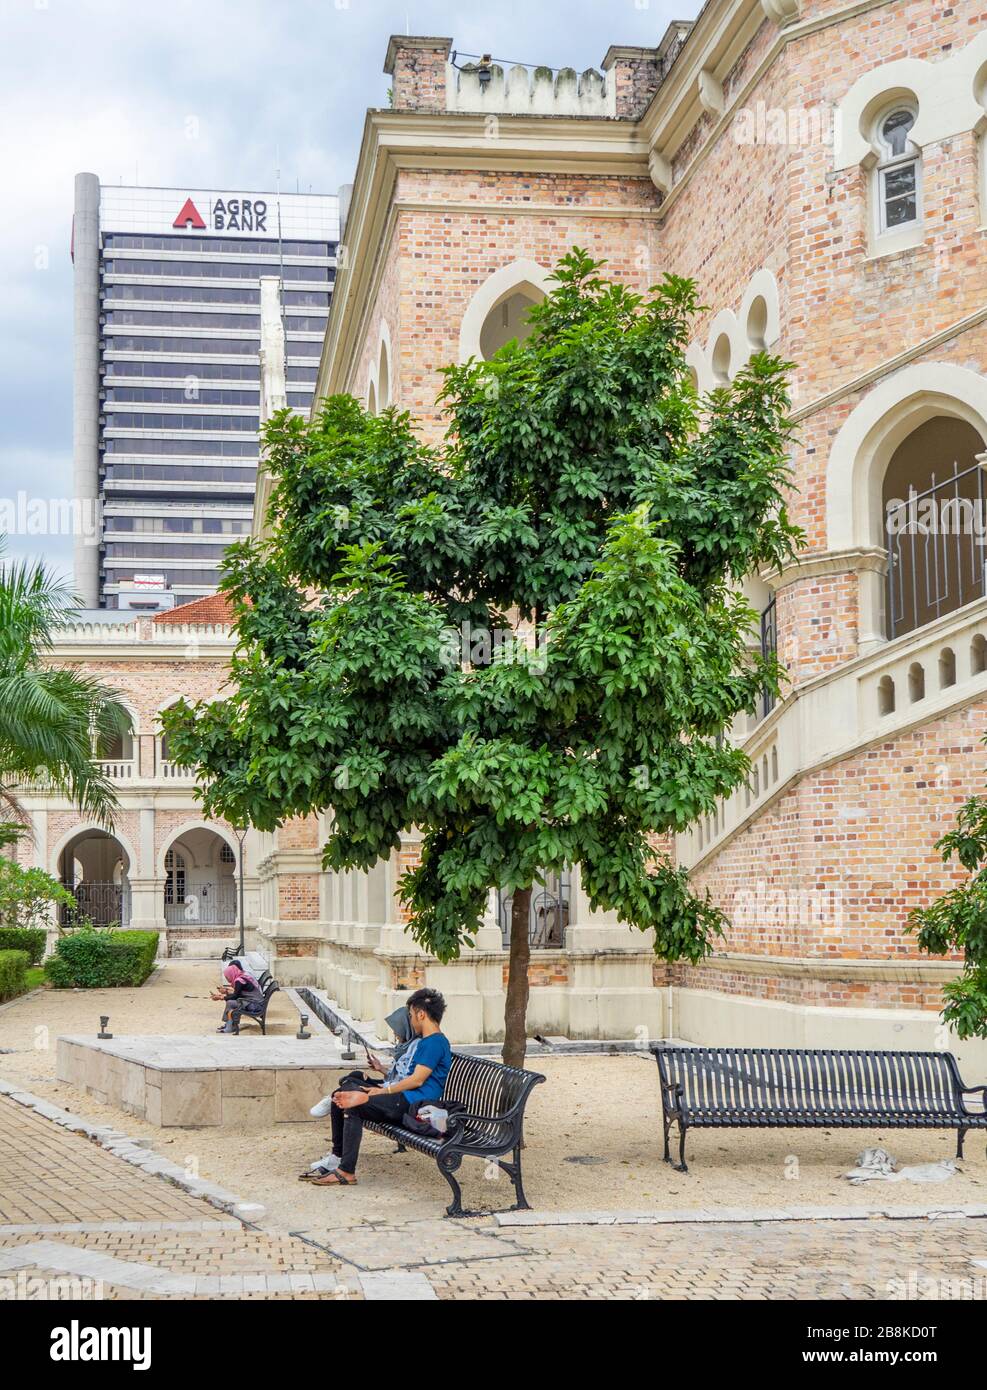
(419, 1075)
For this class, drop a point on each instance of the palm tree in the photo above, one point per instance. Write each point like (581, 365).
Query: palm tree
(51, 718)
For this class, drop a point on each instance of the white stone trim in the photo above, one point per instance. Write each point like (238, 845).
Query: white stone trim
(91, 828)
(945, 93)
(197, 823)
(518, 277)
(886, 416)
(836, 716)
(735, 327)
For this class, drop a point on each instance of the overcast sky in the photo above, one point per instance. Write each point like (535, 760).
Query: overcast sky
(110, 86)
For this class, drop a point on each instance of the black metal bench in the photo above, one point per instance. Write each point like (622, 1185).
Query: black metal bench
(494, 1097)
(768, 1087)
(270, 987)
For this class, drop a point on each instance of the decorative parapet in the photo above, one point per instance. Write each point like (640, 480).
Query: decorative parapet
(143, 630)
(484, 88)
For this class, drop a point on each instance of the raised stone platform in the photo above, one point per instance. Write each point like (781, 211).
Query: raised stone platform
(199, 1081)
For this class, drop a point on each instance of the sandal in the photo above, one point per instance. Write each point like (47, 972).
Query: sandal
(335, 1179)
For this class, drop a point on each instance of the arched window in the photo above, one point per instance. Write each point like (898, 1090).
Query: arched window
(722, 352)
(498, 310)
(947, 668)
(885, 696)
(506, 320)
(934, 504)
(383, 379)
(897, 170)
(174, 877)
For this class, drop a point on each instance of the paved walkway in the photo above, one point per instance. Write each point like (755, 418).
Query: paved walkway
(71, 1210)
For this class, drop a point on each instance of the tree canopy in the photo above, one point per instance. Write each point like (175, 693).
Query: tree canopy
(958, 921)
(588, 505)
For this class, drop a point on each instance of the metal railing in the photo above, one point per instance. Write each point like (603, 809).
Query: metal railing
(935, 546)
(769, 647)
(104, 904)
(202, 905)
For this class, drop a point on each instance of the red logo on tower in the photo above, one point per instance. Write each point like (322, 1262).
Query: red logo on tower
(189, 217)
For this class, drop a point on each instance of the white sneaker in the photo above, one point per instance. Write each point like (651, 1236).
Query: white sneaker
(328, 1164)
(321, 1108)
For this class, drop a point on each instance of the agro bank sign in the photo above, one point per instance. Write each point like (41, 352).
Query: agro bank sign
(218, 212)
(230, 212)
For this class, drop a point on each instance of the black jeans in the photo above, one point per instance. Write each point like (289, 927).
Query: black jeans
(347, 1125)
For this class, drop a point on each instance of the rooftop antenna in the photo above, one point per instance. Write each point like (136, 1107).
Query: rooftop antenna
(277, 182)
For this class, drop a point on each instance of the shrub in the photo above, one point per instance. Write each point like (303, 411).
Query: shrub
(91, 959)
(58, 973)
(27, 896)
(29, 939)
(13, 965)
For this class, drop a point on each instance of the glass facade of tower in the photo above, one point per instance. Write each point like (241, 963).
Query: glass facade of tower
(176, 438)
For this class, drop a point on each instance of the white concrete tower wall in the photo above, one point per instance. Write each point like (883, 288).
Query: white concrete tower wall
(85, 449)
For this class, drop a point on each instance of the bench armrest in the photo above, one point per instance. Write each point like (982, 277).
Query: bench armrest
(509, 1123)
(671, 1094)
(973, 1091)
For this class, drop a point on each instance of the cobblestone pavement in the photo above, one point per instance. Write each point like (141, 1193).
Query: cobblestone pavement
(876, 1259)
(71, 1210)
(68, 1209)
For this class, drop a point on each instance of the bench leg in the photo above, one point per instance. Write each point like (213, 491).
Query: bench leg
(960, 1136)
(513, 1171)
(448, 1171)
(666, 1125)
(681, 1166)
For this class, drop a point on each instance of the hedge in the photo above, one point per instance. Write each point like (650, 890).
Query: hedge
(89, 959)
(29, 939)
(13, 965)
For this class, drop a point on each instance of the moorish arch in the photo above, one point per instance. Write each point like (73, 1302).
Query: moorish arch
(497, 311)
(199, 864)
(95, 865)
(914, 429)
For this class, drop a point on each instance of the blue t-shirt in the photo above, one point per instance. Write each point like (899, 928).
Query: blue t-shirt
(435, 1052)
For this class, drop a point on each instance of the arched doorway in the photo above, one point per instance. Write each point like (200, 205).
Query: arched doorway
(95, 868)
(200, 886)
(933, 502)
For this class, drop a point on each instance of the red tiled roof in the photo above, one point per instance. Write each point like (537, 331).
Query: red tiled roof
(214, 609)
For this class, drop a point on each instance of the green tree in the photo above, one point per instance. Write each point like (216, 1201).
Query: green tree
(587, 504)
(958, 921)
(27, 896)
(49, 716)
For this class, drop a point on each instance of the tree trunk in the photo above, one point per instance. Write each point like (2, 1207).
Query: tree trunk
(516, 1010)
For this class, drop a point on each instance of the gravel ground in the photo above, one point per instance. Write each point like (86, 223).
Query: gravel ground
(593, 1133)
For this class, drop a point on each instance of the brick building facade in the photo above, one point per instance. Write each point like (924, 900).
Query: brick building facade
(818, 167)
